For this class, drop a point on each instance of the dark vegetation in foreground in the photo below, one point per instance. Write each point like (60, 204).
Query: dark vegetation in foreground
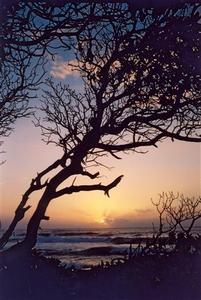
(153, 273)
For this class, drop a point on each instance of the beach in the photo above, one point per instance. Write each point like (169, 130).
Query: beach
(83, 248)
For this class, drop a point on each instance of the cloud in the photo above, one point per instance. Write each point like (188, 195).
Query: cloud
(137, 217)
(61, 68)
(140, 211)
(127, 222)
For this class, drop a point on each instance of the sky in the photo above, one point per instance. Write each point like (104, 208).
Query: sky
(173, 166)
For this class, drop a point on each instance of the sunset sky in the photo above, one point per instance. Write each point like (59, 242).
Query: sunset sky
(173, 166)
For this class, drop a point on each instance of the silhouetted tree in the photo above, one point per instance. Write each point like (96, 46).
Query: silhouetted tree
(141, 85)
(176, 213)
(30, 32)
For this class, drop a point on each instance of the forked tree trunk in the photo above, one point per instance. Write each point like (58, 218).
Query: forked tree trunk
(39, 214)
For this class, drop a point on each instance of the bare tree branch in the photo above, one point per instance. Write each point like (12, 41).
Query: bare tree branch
(175, 210)
(94, 187)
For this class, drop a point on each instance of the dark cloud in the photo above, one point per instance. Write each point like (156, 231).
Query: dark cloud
(138, 217)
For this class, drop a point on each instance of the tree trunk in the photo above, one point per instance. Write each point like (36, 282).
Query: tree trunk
(49, 193)
(34, 223)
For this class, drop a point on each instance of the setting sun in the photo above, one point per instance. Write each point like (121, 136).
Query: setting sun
(102, 221)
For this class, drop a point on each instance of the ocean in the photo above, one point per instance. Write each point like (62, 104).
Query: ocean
(84, 248)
